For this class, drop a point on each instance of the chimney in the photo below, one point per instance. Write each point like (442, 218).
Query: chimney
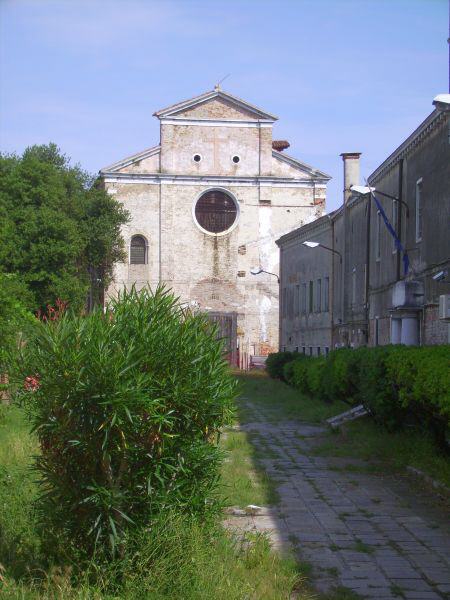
(351, 172)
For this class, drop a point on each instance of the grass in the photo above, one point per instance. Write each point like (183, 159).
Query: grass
(283, 402)
(243, 482)
(179, 559)
(392, 450)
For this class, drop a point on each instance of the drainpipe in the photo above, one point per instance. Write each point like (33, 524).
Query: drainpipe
(351, 177)
(367, 282)
(398, 225)
(331, 287)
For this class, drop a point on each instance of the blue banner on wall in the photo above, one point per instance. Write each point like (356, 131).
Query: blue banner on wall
(392, 231)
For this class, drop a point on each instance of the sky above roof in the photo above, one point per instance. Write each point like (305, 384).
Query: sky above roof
(343, 76)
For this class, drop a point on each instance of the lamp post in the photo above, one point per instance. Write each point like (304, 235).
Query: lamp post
(258, 270)
(363, 190)
(319, 245)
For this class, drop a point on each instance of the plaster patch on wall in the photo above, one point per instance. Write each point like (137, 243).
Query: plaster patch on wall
(265, 305)
(267, 253)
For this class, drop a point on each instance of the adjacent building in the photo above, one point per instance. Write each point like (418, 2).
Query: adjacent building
(357, 290)
(207, 204)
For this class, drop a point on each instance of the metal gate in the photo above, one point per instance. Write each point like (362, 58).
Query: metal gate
(226, 330)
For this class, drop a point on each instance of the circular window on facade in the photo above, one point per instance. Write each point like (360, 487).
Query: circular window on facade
(216, 211)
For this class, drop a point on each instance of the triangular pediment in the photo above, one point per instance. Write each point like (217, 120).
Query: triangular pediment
(285, 165)
(146, 161)
(218, 105)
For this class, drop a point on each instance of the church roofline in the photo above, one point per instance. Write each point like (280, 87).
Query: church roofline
(294, 162)
(216, 93)
(125, 162)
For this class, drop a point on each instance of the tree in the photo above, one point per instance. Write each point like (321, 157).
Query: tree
(58, 226)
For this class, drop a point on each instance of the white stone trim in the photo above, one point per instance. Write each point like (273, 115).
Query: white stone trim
(236, 203)
(129, 160)
(162, 179)
(216, 123)
(216, 93)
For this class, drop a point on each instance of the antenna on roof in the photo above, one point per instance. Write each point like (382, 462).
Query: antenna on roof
(217, 86)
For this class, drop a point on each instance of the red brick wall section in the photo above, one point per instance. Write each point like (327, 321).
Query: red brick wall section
(434, 331)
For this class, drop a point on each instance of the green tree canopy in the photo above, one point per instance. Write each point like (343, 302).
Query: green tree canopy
(59, 229)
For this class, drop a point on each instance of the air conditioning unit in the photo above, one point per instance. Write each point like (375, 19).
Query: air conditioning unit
(444, 307)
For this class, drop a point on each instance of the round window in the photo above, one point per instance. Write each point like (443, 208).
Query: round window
(236, 158)
(197, 157)
(216, 211)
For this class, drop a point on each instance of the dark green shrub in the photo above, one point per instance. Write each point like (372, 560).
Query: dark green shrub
(340, 375)
(421, 376)
(375, 390)
(299, 377)
(127, 406)
(276, 361)
(288, 368)
(314, 376)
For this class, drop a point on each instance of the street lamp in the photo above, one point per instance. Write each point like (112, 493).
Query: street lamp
(310, 244)
(258, 270)
(365, 189)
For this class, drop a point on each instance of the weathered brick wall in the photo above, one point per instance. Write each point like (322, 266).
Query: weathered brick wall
(434, 330)
(214, 271)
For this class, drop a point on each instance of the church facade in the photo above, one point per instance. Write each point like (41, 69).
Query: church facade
(207, 204)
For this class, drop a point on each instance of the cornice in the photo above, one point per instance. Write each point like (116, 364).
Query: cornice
(170, 179)
(216, 93)
(301, 233)
(294, 162)
(260, 123)
(129, 160)
(421, 133)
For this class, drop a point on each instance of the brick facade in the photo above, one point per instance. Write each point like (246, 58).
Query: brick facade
(273, 192)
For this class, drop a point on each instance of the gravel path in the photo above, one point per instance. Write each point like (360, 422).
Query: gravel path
(378, 535)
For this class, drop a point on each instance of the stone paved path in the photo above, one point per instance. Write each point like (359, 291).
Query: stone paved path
(377, 535)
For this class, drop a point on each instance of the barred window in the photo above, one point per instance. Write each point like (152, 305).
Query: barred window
(215, 211)
(138, 250)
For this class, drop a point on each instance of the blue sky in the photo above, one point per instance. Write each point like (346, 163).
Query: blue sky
(342, 75)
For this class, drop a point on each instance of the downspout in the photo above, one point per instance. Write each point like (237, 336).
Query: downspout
(367, 282)
(280, 299)
(398, 225)
(160, 206)
(331, 300)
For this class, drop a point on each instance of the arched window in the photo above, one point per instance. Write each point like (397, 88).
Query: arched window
(216, 211)
(138, 250)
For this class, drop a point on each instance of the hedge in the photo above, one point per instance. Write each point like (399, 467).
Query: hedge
(398, 384)
(276, 361)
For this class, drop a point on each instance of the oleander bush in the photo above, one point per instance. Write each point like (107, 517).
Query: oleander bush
(276, 361)
(127, 405)
(398, 384)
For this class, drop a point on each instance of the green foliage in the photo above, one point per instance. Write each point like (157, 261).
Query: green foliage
(57, 227)
(299, 377)
(127, 407)
(276, 361)
(179, 556)
(15, 299)
(314, 375)
(399, 384)
(339, 376)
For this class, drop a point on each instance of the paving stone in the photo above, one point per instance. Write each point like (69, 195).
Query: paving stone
(413, 595)
(329, 511)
